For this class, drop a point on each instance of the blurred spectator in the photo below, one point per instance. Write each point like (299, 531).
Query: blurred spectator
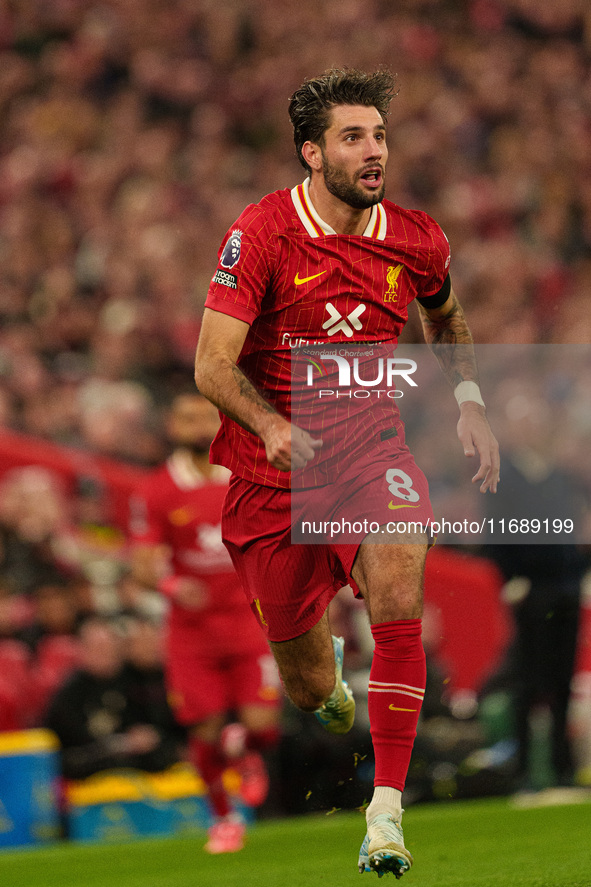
(98, 721)
(544, 589)
(144, 653)
(37, 650)
(543, 581)
(51, 638)
(34, 529)
(55, 615)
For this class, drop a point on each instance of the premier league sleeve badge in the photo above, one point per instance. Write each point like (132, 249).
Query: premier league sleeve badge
(231, 251)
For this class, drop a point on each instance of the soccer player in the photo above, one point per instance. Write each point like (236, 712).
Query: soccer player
(217, 659)
(314, 264)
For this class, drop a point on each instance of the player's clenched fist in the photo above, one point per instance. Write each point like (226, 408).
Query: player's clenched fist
(288, 446)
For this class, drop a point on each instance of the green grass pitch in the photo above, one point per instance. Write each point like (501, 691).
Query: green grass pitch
(458, 844)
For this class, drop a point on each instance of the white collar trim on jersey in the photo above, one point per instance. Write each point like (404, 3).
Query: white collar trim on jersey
(187, 476)
(315, 226)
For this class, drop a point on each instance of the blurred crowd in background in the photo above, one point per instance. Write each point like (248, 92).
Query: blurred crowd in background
(135, 131)
(133, 134)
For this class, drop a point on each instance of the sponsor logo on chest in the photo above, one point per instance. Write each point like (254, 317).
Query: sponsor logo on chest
(335, 322)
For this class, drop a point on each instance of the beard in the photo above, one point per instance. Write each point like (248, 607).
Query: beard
(346, 189)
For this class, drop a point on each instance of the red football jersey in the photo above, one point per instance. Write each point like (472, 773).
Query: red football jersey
(179, 507)
(285, 272)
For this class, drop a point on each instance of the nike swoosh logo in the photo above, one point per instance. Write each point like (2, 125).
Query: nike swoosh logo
(395, 708)
(394, 507)
(300, 280)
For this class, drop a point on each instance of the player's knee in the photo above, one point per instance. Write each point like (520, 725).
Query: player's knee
(395, 607)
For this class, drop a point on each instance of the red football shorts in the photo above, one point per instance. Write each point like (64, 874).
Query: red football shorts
(200, 686)
(290, 585)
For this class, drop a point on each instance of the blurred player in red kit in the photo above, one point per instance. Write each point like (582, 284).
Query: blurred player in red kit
(332, 261)
(218, 661)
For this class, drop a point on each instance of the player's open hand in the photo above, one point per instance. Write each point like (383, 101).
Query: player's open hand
(476, 436)
(288, 446)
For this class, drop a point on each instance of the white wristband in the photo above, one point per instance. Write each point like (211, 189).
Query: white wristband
(468, 391)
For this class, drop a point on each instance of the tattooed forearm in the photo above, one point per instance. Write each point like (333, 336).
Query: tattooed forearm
(239, 401)
(248, 391)
(219, 377)
(447, 334)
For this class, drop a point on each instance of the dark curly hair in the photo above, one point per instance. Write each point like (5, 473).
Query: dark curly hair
(311, 104)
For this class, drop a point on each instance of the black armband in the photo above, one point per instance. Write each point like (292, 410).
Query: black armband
(438, 298)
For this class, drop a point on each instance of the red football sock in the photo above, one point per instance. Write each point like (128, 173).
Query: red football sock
(396, 689)
(210, 763)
